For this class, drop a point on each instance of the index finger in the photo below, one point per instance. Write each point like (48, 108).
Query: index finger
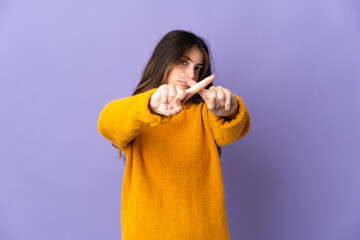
(197, 87)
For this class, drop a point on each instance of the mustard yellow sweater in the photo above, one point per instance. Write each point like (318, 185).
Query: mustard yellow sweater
(172, 186)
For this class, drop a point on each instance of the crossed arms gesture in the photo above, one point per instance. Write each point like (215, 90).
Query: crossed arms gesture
(168, 98)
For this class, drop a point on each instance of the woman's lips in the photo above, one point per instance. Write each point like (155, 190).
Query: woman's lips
(184, 83)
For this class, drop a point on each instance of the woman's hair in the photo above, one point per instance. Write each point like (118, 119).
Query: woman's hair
(171, 48)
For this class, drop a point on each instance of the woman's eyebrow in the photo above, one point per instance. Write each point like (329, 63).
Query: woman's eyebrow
(192, 60)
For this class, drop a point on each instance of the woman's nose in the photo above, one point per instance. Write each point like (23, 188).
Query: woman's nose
(190, 73)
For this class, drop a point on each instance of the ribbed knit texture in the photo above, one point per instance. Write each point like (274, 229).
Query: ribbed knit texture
(172, 186)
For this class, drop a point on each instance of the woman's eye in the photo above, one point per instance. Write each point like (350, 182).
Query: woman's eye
(183, 62)
(198, 69)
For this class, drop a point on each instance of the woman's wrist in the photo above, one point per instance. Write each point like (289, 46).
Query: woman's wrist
(233, 115)
(153, 110)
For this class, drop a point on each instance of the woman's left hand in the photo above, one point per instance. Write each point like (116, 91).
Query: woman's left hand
(220, 101)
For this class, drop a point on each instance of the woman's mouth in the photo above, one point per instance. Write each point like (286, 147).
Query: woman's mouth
(184, 83)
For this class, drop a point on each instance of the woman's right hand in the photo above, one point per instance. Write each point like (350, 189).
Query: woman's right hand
(168, 98)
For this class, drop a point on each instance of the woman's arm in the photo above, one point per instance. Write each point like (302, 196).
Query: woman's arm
(123, 119)
(227, 130)
(228, 116)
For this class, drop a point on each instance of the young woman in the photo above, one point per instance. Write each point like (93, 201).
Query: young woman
(171, 131)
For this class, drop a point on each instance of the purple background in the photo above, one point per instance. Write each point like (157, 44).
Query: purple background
(295, 63)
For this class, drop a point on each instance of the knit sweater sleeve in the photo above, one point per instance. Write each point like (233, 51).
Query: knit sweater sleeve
(227, 131)
(122, 120)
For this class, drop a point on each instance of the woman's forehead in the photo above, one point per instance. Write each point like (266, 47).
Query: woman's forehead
(195, 54)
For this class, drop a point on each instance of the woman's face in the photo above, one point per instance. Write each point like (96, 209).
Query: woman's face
(190, 65)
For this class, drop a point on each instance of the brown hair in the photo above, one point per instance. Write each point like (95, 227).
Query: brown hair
(172, 47)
